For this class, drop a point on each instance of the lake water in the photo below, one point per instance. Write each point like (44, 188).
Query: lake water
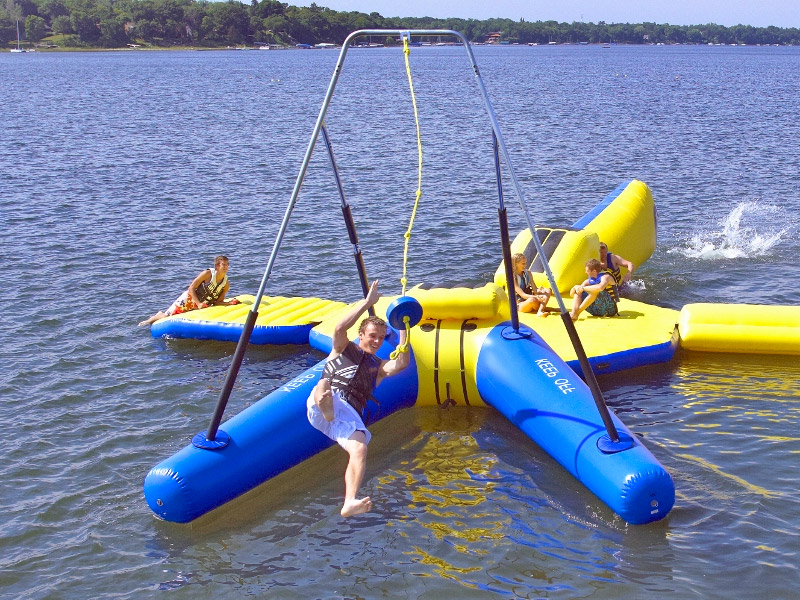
(121, 176)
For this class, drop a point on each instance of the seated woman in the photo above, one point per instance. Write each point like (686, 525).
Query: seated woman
(597, 295)
(528, 299)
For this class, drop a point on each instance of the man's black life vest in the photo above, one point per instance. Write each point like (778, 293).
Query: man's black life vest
(354, 374)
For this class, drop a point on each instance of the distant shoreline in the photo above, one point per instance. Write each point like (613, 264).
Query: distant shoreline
(293, 48)
(200, 25)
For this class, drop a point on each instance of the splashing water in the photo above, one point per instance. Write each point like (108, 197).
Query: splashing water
(635, 286)
(750, 229)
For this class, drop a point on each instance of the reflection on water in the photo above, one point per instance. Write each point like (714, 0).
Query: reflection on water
(465, 505)
(740, 418)
(449, 482)
(725, 435)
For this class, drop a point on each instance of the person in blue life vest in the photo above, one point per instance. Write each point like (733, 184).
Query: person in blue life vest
(338, 404)
(529, 299)
(613, 264)
(207, 289)
(597, 295)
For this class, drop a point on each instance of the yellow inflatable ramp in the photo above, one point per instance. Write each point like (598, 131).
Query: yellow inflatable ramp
(281, 320)
(740, 328)
(625, 220)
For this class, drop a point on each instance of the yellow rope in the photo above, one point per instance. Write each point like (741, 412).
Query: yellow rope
(404, 346)
(407, 236)
(404, 280)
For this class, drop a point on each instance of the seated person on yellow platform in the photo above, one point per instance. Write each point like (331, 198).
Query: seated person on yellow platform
(597, 295)
(528, 298)
(613, 263)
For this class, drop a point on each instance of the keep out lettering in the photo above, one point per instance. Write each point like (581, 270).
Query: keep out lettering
(551, 371)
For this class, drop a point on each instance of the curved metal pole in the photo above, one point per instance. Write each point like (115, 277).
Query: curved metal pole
(210, 440)
(492, 118)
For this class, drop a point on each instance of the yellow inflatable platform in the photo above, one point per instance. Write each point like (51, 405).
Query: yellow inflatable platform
(456, 321)
(466, 352)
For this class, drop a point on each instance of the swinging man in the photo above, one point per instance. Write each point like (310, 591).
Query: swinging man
(338, 403)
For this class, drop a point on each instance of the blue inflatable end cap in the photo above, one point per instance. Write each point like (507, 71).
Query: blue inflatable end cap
(608, 446)
(404, 306)
(220, 441)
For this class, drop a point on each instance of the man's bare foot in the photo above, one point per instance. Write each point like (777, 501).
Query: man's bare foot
(326, 404)
(356, 506)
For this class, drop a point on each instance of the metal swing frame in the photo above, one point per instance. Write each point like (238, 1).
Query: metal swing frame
(214, 438)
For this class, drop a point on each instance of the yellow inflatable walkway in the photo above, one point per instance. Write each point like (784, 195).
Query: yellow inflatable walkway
(740, 328)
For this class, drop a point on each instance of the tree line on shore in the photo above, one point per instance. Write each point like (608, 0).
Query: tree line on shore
(165, 23)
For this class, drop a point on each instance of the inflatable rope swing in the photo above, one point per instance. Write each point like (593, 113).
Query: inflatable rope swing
(476, 356)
